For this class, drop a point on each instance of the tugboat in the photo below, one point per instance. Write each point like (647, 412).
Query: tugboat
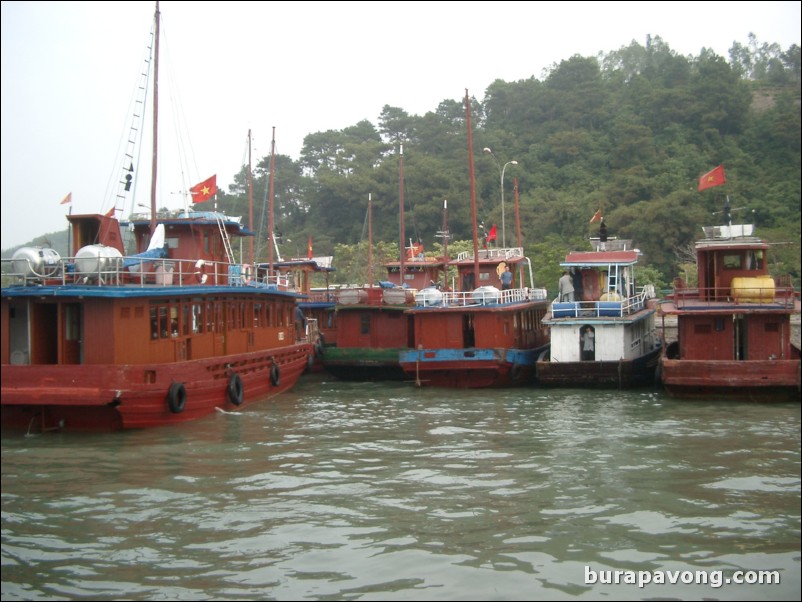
(606, 336)
(734, 328)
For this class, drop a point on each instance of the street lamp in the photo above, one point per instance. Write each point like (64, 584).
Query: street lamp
(501, 171)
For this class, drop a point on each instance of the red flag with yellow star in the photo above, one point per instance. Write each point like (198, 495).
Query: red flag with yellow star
(204, 191)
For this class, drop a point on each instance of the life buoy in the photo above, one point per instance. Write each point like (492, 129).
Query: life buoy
(247, 274)
(275, 374)
(200, 272)
(176, 397)
(236, 390)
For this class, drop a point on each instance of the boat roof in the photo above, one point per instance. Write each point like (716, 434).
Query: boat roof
(201, 218)
(600, 258)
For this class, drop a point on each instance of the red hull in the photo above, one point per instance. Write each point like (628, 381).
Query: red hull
(111, 397)
(761, 380)
(469, 374)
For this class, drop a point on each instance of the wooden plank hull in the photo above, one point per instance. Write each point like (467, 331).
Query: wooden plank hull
(112, 397)
(752, 380)
(363, 363)
(470, 368)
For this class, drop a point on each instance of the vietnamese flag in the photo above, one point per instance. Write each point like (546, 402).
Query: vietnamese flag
(714, 177)
(597, 217)
(491, 236)
(67, 200)
(204, 191)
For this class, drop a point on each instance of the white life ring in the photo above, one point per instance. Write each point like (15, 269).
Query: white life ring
(200, 272)
(247, 273)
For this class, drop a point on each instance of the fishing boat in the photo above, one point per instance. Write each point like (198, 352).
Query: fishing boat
(734, 327)
(372, 324)
(606, 336)
(478, 335)
(169, 332)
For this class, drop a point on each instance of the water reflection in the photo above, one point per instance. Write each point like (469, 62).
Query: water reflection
(375, 491)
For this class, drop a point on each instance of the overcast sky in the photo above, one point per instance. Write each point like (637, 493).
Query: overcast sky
(70, 70)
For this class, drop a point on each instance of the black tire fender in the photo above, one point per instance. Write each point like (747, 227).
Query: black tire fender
(236, 390)
(176, 397)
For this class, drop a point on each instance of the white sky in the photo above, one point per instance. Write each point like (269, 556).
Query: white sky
(69, 71)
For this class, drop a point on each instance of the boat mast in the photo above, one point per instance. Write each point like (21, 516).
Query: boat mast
(518, 227)
(445, 243)
(401, 217)
(270, 225)
(370, 241)
(473, 191)
(250, 200)
(155, 122)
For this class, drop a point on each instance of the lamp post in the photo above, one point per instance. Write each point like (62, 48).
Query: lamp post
(501, 171)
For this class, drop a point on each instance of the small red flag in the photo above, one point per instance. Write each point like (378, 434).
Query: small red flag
(714, 177)
(67, 199)
(491, 236)
(204, 191)
(596, 217)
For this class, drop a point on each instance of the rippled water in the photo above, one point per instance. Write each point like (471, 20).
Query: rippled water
(385, 492)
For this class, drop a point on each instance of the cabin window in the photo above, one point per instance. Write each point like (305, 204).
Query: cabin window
(210, 317)
(484, 276)
(257, 315)
(154, 323)
(732, 262)
(163, 325)
(174, 322)
(754, 260)
(172, 242)
(719, 324)
(364, 324)
(186, 313)
(241, 315)
(702, 329)
(197, 318)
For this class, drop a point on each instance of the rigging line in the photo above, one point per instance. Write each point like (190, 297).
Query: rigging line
(129, 146)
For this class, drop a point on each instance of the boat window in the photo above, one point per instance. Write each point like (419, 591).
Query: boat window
(154, 323)
(242, 314)
(186, 312)
(364, 324)
(754, 260)
(257, 315)
(172, 242)
(210, 317)
(719, 324)
(163, 325)
(197, 318)
(732, 262)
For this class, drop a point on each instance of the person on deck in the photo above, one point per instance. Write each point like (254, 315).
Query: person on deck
(566, 288)
(300, 323)
(506, 279)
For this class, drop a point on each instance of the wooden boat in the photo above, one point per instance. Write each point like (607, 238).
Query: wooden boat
(480, 336)
(477, 336)
(372, 326)
(100, 340)
(734, 328)
(606, 337)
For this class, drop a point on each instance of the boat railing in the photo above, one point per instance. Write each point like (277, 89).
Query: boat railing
(607, 306)
(135, 271)
(756, 292)
(493, 253)
(488, 296)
